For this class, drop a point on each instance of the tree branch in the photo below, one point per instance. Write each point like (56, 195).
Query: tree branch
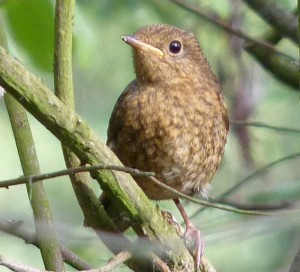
(34, 178)
(17, 266)
(282, 68)
(120, 258)
(257, 173)
(260, 207)
(18, 229)
(284, 21)
(207, 203)
(94, 214)
(227, 27)
(37, 195)
(264, 125)
(71, 171)
(248, 178)
(110, 266)
(278, 63)
(75, 133)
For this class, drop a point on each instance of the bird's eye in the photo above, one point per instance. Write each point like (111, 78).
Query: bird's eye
(175, 47)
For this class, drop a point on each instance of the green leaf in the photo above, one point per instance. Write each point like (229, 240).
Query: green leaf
(31, 24)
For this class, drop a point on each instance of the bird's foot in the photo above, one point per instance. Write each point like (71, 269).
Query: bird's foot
(195, 243)
(191, 237)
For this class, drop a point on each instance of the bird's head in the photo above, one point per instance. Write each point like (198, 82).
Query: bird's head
(163, 53)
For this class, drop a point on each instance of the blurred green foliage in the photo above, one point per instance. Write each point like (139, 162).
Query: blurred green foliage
(31, 24)
(102, 68)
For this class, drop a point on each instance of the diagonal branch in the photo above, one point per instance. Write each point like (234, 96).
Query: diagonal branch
(227, 27)
(75, 133)
(285, 22)
(259, 124)
(72, 171)
(34, 178)
(250, 177)
(282, 68)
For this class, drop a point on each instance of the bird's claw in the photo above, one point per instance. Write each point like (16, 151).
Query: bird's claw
(191, 236)
(195, 243)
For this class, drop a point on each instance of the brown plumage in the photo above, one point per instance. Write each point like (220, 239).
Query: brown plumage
(171, 119)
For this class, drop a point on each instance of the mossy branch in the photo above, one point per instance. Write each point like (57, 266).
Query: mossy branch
(94, 214)
(46, 235)
(75, 134)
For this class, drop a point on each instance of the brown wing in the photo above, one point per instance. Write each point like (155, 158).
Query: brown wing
(116, 118)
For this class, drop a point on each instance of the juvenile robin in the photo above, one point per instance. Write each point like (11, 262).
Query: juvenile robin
(171, 119)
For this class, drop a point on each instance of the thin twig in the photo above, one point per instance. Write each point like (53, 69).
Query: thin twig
(207, 203)
(248, 178)
(264, 125)
(150, 175)
(259, 207)
(110, 266)
(17, 266)
(118, 259)
(72, 171)
(17, 229)
(257, 173)
(213, 19)
(32, 179)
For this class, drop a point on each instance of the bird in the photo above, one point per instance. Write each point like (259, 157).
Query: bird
(171, 119)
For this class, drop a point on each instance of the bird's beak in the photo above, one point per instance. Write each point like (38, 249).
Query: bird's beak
(135, 43)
